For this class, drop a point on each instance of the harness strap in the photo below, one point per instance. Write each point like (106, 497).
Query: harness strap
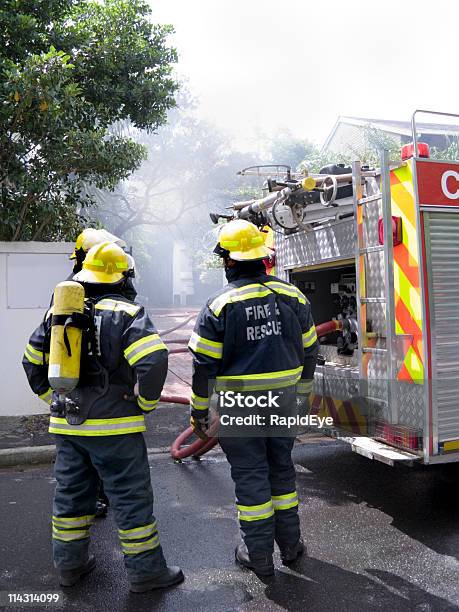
(76, 319)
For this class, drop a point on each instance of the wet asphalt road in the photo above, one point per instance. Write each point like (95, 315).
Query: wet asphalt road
(379, 538)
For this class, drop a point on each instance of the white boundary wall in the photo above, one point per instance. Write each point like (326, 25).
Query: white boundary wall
(29, 271)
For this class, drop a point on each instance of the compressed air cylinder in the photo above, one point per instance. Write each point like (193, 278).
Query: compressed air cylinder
(64, 368)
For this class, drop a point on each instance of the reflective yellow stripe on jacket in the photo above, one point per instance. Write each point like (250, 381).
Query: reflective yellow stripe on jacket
(144, 346)
(47, 396)
(117, 306)
(304, 386)
(98, 427)
(35, 356)
(289, 290)
(199, 403)
(259, 382)
(211, 348)
(252, 291)
(147, 405)
(239, 294)
(309, 337)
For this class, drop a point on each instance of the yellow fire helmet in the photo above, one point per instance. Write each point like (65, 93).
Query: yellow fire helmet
(243, 240)
(91, 236)
(104, 263)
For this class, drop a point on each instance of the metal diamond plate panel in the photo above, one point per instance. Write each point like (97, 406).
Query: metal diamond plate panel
(372, 214)
(377, 387)
(340, 382)
(410, 401)
(332, 242)
(330, 354)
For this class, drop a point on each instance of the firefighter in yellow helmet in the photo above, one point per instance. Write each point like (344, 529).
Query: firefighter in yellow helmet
(122, 372)
(255, 341)
(88, 238)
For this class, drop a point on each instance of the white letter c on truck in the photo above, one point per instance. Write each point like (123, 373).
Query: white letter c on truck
(444, 184)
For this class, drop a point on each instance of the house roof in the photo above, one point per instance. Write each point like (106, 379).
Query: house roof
(391, 126)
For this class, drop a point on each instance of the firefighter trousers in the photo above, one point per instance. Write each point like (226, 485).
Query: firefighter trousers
(264, 476)
(121, 462)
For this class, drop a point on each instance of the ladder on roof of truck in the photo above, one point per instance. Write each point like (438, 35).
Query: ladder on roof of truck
(368, 339)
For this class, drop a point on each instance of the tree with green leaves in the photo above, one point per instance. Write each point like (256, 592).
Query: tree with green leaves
(70, 69)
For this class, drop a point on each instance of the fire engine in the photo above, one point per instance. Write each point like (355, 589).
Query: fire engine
(376, 251)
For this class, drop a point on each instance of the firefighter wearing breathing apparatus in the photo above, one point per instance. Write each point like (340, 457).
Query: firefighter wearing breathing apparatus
(255, 335)
(88, 238)
(106, 365)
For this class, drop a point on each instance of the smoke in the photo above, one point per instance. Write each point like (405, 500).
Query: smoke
(162, 211)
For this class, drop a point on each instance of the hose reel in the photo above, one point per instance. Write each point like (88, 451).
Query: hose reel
(328, 193)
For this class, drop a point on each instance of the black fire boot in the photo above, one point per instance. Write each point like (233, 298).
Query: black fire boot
(167, 578)
(261, 563)
(289, 554)
(70, 577)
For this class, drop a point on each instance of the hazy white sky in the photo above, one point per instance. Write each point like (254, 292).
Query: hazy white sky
(265, 65)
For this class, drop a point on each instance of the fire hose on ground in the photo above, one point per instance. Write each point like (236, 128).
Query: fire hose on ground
(199, 447)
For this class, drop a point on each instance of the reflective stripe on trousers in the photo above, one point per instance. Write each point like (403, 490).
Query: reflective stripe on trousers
(139, 539)
(285, 502)
(122, 463)
(70, 528)
(264, 478)
(255, 513)
(98, 427)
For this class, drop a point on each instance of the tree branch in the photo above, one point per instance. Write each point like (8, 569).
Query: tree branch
(22, 215)
(40, 228)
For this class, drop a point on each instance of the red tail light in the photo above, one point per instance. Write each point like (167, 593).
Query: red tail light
(398, 435)
(396, 230)
(407, 150)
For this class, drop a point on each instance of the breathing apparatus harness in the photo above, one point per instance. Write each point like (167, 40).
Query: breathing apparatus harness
(63, 406)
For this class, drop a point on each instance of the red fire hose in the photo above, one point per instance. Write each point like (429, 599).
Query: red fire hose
(200, 447)
(174, 399)
(195, 449)
(328, 328)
